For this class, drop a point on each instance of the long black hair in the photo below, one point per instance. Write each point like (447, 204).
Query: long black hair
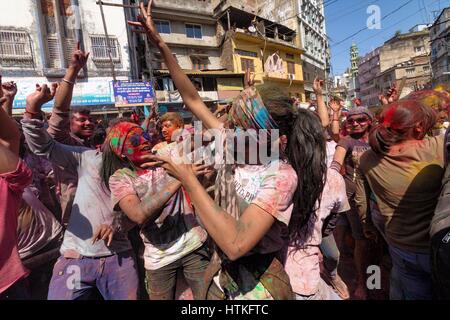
(307, 155)
(305, 152)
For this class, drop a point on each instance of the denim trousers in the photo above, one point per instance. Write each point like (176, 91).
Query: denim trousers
(330, 254)
(115, 277)
(410, 275)
(161, 283)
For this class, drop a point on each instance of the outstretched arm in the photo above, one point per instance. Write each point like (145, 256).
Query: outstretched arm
(190, 96)
(63, 96)
(321, 106)
(59, 123)
(234, 237)
(335, 122)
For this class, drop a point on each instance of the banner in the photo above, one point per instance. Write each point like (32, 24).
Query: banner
(133, 94)
(96, 91)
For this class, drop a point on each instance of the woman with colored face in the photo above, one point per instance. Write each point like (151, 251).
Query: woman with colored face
(135, 146)
(348, 152)
(172, 237)
(258, 208)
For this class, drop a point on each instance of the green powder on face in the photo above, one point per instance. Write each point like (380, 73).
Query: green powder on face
(115, 141)
(130, 151)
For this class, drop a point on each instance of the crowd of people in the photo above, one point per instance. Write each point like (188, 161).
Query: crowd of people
(90, 212)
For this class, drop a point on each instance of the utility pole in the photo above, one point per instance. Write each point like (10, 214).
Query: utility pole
(147, 47)
(108, 44)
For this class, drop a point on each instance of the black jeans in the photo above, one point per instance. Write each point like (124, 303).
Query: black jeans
(440, 264)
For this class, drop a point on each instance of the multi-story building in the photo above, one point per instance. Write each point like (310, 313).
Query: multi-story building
(268, 49)
(37, 38)
(369, 69)
(341, 87)
(307, 18)
(398, 52)
(190, 30)
(440, 52)
(416, 72)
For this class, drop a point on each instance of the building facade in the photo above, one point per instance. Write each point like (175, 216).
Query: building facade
(440, 52)
(266, 48)
(403, 51)
(307, 18)
(190, 30)
(416, 72)
(38, 37)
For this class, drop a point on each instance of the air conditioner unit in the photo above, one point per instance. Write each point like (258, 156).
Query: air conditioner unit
(291, 76)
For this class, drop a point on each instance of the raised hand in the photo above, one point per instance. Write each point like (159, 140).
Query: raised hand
(145, 23)
(335, 105)
(392, 94)
(78, 59)
(42, 95)
(9, 89)
(318, 86)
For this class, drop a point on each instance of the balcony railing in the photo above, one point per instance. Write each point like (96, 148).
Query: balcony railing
(174, 96)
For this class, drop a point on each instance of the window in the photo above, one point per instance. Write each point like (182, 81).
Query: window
(290, 67)
(247, 64)
(15, 49)
(289, 56)
(426, 68)
(199, 63)
(60, 39)
(410, 71)
(246, 53)
(162, 26)
(100, 49)
(59, 49)
(194, 31)
(419, 49)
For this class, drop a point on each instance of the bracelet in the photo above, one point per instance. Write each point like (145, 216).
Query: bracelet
(69, 82)
(32, 113)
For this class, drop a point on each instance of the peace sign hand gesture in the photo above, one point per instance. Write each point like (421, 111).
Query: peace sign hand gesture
(145, 22)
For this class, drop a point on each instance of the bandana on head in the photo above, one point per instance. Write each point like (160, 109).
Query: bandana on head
(118, 135)
(248, 111)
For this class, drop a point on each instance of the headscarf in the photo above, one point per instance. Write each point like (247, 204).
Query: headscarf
(117, 136)
(248, 112)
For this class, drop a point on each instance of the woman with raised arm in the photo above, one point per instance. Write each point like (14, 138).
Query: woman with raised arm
(259, 208)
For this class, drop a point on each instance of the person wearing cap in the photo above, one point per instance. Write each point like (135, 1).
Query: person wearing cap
(348, 151)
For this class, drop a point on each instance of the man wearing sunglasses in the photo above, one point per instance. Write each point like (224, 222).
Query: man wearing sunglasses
(348, 152)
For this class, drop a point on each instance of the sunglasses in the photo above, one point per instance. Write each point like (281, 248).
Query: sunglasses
(353, 121)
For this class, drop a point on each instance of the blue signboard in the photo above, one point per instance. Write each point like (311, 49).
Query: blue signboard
(86, 93)
(133, 94)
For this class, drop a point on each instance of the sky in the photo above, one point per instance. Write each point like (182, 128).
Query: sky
(346, 17)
